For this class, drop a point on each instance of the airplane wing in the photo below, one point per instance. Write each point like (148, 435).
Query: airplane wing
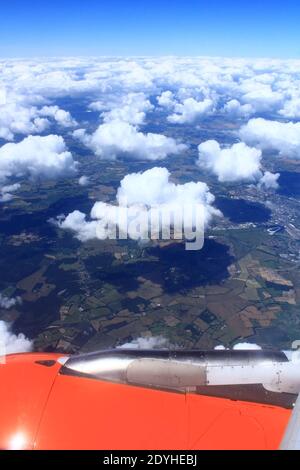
(291, 440)
(149, 400)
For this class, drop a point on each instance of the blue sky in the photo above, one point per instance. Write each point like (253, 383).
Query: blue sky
(262, 28)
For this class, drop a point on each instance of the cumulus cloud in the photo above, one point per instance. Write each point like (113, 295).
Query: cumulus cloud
(236, 163)
(11, 343)
(291, 108)
(119, 133)
(188, 87)
(36, 156)
(121, 138)
(23, 113)
(142, 197)
(166, 99)
(269, 180)
(132, 109)
(153, 187)
(62, 117)
(16, 118)
(262, 98)
(84, 181)
(186, 108)
(262, 85)
(152, 342)
(77, 223)
(280, 137)
(7, 302)
(190, 110)
(6, 192)
(235, 109)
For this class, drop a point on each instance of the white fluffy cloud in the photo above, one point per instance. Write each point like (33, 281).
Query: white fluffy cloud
(7, 302)
(236, 163)
(190, 110)
(84, 181)
(62, 117)
(120, 138)
(6, 192)
(23, 113)
(152, 342)
(76, 222)
(36, 156)
(16, 118)
(153, 187)
(187, 111)
(119, 133)
(280, 137)
(166, 99)
(189, 87)
(12, 344)
(142, 195)
(132, 109)
(264, 85)
(269, 180)
(262, 98)
(235, 109)
(291, 108)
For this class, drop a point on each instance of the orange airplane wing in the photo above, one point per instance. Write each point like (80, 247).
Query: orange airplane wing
(43, 408)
